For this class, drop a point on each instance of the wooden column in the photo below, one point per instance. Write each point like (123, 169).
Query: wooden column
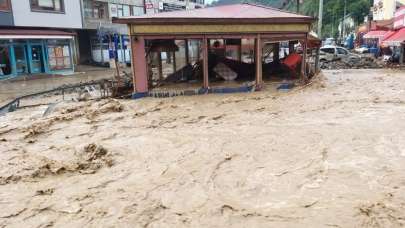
(258, 59)
(317, 60)
(304, 60)
(174, 62)
(277, 52)
(160, 69)
(139, 65)
(205, 63)
(186, 54)
(290, 47)
(240, 51)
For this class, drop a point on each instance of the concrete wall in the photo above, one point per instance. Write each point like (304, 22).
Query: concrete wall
(71, 18)
(6, 19)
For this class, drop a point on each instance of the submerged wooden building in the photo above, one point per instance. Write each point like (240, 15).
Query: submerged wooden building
(230, 22)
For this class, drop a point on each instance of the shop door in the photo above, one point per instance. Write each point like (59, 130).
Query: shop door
(20, 58)
(37, 64)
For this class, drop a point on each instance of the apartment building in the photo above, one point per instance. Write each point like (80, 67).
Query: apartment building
(100, 36)
(52, 36)
(38, 36)
(385, 9)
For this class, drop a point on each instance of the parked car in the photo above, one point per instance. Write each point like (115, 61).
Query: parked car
(332, 53)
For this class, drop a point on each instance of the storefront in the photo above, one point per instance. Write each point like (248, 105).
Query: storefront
(24, 52)
(397, 43)
(107, 47)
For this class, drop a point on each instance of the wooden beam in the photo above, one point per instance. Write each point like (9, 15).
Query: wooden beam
(205, 64)
(139, 72)
(210, 29)
(258, 59)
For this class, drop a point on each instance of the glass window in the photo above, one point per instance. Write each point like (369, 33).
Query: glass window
(120, 11)
(137, 10)
(5, 5)
(126, 11)
(5, 62)
(328, 50)
(95, 9)
(59, 57)
(47, 5)
(342, 51)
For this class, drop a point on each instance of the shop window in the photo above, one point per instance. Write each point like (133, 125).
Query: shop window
(56, 6)
(59, 57)
(5, 5)
(5, 62)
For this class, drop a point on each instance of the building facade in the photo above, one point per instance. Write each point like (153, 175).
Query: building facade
(40, 38)
(385, 9)
(101, 39)
(6, 16)
(52, 36)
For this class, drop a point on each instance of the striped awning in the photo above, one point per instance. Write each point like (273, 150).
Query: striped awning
(378, 34)
(396, 39)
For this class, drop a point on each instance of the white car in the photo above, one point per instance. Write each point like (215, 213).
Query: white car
(332, 53)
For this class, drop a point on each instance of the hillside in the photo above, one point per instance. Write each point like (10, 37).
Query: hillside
(333, 10)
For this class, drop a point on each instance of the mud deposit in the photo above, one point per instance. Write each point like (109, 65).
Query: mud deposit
(331, 154)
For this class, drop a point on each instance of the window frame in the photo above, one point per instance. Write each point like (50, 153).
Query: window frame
(342, 51)
(7, 8)
(38, 10)
(93, 3)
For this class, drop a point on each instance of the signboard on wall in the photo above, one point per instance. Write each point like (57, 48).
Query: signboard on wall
(167, 7)
(113, 10)
(150, 8)
(399, 18)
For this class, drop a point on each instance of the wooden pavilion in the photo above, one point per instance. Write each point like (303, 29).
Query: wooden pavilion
(238, 21)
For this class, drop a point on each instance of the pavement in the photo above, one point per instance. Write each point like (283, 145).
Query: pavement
(15, 87)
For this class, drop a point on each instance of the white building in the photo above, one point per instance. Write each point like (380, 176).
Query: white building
(385, 9)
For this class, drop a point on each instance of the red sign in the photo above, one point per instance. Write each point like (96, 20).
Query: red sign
(149, 5)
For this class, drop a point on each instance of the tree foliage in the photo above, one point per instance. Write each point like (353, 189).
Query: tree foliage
(333, 10)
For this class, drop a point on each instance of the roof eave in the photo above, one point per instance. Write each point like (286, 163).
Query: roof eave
(219, 21)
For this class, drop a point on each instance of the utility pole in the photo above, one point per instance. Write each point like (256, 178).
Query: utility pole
(298, 6)
(344, 20)
(320, 18)
(333, 24)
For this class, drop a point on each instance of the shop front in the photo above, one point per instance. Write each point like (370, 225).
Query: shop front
(23, 54)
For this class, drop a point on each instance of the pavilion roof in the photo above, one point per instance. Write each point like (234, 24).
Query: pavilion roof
(242, 13)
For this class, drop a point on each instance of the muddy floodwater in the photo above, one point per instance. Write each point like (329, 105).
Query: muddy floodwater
(331, 154)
